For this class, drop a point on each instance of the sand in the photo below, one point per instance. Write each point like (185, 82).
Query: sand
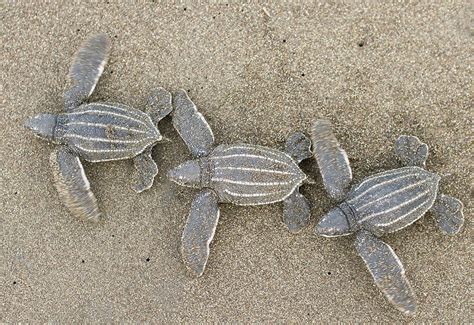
(257, 73)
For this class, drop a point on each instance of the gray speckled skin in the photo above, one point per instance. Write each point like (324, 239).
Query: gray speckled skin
(73, 188)
(104, 131)
(241, 174)
(252, 175)
(382, 203)
(390, 201)
(98, 132)
(199, 230)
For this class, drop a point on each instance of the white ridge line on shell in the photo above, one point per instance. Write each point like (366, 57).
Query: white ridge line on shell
(224, 180)
(250, 156)
(370, 216)
(251, 194)
(105, 150)
(257, 148)
(106, 126)
(135, 112)
(77, 136)
(379, 184)
(267, 202)
(272, 201)
(89, 111)
(276, 153)
(392, 193)
(385, 173)
(255, 170)
(403, 216)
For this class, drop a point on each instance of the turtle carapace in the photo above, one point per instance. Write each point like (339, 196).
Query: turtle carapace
(382, 203)
(241, 174)
(97, 132)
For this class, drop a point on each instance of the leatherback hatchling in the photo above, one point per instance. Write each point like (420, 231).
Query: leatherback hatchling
(242, 174)
(382, 203)
(98, 132)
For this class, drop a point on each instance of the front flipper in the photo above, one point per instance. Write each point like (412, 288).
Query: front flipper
(87, 66)
(411, 151)
(146, 169)
(296, 211)
(298, 146)
(159, 104)
(199, 231)
(72, 185)
(332, 160)
(191, 125)
(447, 211)
(387, 271)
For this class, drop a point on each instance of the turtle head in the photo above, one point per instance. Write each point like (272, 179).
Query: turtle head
(335, 223)
(42, 125)
(187, 174)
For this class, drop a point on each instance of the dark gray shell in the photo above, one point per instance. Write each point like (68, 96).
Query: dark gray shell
(102, 132)
(389, 201)
(252, 175)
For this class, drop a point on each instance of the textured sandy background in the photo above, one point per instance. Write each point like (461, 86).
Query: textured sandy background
(257, 73)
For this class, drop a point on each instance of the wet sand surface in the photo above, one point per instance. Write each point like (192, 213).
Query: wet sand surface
(257, 73)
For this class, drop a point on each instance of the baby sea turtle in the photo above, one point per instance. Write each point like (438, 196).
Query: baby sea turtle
(242, 174)
(382, 203)
(98, 132)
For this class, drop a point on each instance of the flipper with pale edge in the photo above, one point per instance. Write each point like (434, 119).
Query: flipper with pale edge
(146, 170)
(159, 104)
(199, 231)
(296, 212)
(411, 151)
(387, 271)
(191, 125)
(447, 211)
(87, 67)
(332, 160)
(298, 146)
(72, 185)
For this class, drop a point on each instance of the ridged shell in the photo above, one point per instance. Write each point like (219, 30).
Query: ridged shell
(392, 200)
(252, 175)
(102, 132)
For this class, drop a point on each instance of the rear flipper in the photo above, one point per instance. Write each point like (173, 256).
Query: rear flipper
(159, 104)
(387, 271)
(298, 146)
(146, 169)
(199, 231)
(411, 151)
(72, 185)
(296, 211)
(447, 211)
